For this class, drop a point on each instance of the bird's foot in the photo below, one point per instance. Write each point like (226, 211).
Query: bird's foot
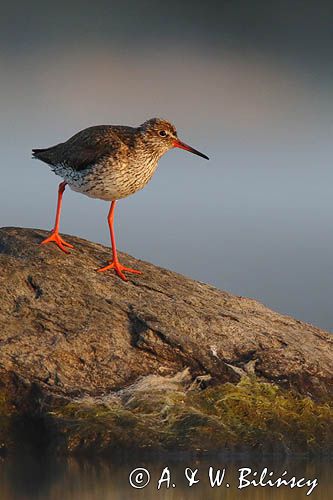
(119, 268)
(57, 239)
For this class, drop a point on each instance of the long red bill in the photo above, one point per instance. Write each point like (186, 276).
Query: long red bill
(182, 145)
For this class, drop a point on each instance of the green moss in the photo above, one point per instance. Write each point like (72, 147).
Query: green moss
(248, 416)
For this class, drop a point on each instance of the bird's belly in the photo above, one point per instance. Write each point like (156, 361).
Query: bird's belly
(110, 185)
(97, 191)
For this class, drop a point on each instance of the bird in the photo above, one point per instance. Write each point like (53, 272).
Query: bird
(109, 162)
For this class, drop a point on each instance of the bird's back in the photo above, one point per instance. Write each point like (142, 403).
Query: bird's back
(88, 147)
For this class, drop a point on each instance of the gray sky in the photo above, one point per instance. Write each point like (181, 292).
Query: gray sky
(249, 85)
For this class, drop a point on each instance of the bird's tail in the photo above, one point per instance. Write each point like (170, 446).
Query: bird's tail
(36, 153)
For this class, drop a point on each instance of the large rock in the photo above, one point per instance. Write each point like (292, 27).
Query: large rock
(69, 334)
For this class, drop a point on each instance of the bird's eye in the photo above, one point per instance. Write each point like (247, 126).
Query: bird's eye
(162, 133)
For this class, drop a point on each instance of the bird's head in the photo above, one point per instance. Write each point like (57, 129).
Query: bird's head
(162, 136)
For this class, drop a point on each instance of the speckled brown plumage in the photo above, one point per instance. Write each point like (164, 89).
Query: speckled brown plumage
(109, 162)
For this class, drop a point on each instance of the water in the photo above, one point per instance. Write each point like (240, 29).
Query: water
(25, 478)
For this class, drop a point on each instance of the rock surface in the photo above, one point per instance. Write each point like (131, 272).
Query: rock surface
(68, 332)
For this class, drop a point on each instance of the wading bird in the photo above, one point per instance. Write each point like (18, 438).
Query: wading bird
(109, 162)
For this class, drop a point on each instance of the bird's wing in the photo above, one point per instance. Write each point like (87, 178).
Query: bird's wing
(85, 148)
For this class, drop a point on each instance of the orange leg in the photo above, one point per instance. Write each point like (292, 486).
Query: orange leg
(54, 236)
(114, 263)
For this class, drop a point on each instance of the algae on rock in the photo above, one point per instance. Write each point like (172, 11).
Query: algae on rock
(248, 416)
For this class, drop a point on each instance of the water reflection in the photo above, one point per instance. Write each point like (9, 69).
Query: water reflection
(70, 479)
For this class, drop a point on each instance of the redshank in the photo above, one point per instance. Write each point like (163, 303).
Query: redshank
(109, 162)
